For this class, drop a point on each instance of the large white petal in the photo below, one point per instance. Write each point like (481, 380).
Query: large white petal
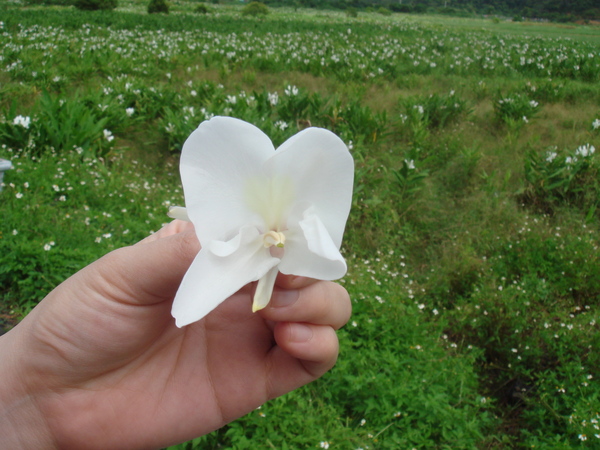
(322, 171)
(211, 279)
(311, 252)
(216, 162)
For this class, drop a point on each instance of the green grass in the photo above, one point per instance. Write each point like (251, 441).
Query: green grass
(474, 275)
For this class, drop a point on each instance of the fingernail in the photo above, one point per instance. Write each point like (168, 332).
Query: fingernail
(300, 333)
(284, 297)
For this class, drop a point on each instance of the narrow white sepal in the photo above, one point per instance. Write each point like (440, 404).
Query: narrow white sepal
(178, 212)
(264, 289)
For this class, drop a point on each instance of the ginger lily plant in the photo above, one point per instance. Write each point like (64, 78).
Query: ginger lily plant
(258, 211)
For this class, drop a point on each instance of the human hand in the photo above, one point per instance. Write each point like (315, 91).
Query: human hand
(99, 363)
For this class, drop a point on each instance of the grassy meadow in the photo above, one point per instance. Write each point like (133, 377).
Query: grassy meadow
(473, 240)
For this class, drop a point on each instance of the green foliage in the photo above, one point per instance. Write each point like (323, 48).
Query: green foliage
(95, 5)
(352, 12)
(59, 125)
(202, 9)
(569, 178)
(515, 110)
(158, 6)
(255, 9)
(434, 111)
(472, 250)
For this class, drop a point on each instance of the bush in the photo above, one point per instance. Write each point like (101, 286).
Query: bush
(255, 9)
(384, 11)
(158, 6)
(202, 9)
(95, 5)
(352, 12)
(401, 8)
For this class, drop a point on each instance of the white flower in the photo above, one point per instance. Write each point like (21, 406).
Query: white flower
(410, 164)
(585, 150)
(291, 90)
(258, 211)
(596, 124)
(281, 125)
(22, 121)
(324, 444)
(108, 135)
(129, 111)
(550, 156)
(273, 98)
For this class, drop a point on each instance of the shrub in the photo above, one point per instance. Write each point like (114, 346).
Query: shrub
(352, 12)
(255, 9)
(95, 5)
(158, 6)
(514, 109)
(557, 178)
(384, 11)
(202, 9)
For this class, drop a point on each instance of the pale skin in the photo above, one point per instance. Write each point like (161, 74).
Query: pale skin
(99, 363)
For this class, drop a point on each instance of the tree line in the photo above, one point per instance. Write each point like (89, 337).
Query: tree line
(554, 10)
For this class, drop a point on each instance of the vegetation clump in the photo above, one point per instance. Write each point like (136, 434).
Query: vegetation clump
(202, 9)
(96, 5)
(158, 6)
(255, 9)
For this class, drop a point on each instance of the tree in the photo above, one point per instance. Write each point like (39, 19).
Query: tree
(95, 5)
(158, 6)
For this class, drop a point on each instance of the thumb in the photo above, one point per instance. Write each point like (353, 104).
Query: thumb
(143, 274)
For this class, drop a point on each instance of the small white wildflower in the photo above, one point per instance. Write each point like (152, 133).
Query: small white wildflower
(291, 91)
(281, 125)
(585, 150)
(129, 111)
(596, 124)
(22, 121)
(324, 444)
(273, 98)
(108, 135)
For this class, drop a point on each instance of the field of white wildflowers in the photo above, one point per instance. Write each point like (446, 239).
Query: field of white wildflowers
(473, 240)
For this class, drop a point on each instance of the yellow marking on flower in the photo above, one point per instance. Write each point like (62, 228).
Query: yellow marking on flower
(273, 238)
